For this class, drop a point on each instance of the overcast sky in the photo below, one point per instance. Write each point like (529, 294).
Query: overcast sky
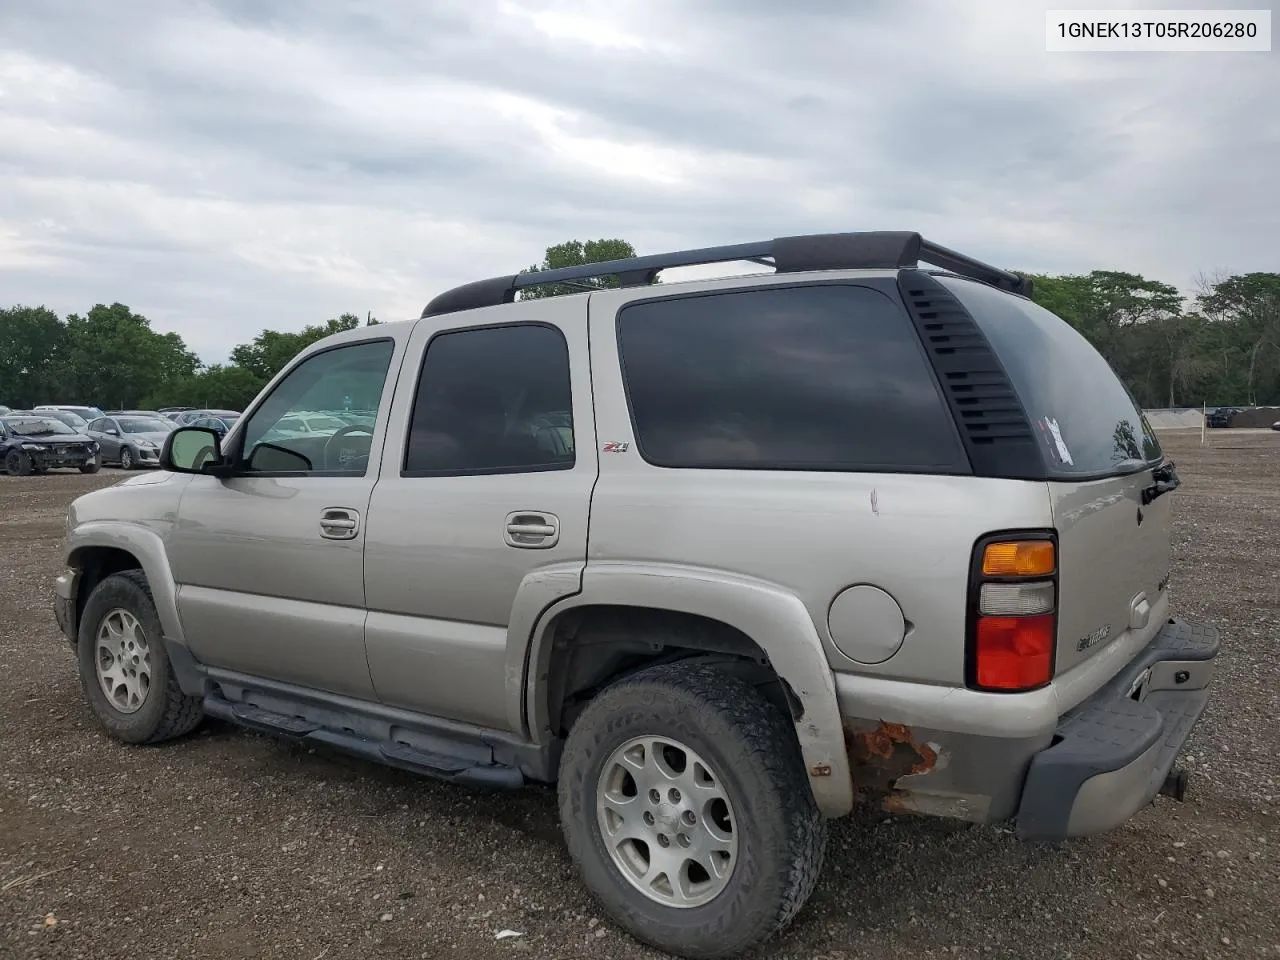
(222, 169)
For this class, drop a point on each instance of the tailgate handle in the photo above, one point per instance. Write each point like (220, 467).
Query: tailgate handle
(1139, 612)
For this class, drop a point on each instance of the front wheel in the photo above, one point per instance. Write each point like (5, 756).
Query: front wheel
(126, 458)
(685, 805)
(91, 466)
(18, 464)
(124, 670)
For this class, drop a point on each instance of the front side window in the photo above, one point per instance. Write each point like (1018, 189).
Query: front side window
(318, 384)
(492, 400)
(814, 377)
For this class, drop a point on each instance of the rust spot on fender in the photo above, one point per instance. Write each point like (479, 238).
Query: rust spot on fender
(882, 755)
(821, 770)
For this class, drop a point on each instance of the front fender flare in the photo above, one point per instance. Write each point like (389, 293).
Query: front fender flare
(771, 616)
(144, 544)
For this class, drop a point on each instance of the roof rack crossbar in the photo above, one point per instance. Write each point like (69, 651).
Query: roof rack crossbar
(883, 249)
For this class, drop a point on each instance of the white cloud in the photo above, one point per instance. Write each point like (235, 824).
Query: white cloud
(228, 166)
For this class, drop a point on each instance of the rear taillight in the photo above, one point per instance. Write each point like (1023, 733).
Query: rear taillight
(1013, 612)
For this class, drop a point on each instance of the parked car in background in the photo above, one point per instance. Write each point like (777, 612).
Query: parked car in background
(1276, 425)
(1221, 417)
(87, 413)
(73, 420)
(219, 425)
(188, 417)
(155, 414)
(37, 444)
(131, 441)
(172, 413)
(4, 410)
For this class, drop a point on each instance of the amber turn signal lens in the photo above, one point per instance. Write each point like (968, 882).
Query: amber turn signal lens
(1014, 653)
(1019, 558)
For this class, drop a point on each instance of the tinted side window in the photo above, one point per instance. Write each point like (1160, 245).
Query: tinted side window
(321, 382)
(1086, 419)
(492, 400)
(819, 377)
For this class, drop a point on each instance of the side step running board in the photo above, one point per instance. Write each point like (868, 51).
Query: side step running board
(385, 752)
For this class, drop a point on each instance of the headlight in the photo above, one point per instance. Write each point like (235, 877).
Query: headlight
(34, 447)
(93, 447)
(146, 444)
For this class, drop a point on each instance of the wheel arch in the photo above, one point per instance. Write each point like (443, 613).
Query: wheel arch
(96, 550)
(736, 618)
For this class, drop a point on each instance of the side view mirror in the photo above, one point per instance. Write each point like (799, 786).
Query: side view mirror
(190, 450)
(111, 432)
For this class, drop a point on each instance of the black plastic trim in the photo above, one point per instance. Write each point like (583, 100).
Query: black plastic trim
(973, 598)
(993, 423)
(1110, 730)
(822, 251)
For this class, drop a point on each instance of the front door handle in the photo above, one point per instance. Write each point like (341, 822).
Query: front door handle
(532, 530)
(339, 523)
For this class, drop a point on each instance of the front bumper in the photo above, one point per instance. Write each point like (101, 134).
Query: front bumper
(1111, 755)
(51, 459)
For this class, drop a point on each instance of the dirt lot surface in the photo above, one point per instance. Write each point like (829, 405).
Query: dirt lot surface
(232, 845)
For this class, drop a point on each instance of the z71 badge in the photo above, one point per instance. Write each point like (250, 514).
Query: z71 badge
(616, 446)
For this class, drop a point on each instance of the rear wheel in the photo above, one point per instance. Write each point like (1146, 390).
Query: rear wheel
(126, 458)
(124, 670)
(17, 464)
(685, 804)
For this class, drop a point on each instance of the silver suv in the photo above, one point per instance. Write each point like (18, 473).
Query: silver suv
(722, 558)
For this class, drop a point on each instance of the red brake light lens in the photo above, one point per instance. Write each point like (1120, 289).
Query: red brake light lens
(1014, 653)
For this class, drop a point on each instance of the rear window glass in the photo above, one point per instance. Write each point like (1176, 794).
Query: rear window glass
(816, 377)
(1087, 421)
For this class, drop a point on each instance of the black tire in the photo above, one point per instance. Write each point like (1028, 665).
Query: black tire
(93, 466)
(18, 464)
(753, 748)
(166, 712)
(127, 459)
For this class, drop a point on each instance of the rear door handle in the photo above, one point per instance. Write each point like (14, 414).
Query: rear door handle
(339, 523)
(532, 530)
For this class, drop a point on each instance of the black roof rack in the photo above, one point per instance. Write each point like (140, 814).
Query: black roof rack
(820, 251)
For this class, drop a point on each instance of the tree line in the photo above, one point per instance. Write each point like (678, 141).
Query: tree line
(1221, 347)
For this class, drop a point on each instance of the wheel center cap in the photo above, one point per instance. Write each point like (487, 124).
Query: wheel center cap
(668, 816)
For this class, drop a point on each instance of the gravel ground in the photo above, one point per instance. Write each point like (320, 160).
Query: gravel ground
(231, 845)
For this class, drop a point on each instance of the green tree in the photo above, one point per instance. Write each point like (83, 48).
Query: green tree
(1247, 308)
(271, 350)
(575, 253)
(113, 358)
(32, 340)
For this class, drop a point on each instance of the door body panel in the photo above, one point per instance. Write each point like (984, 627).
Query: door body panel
(267, 582)
(448, 556)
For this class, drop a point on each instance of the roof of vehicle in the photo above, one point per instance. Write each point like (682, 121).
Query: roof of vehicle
(869, 250)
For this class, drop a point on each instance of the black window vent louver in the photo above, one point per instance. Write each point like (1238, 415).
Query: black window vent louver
(997, 434)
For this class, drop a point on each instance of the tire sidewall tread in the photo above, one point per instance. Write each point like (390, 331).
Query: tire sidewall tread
(168, 712)
(753, 749)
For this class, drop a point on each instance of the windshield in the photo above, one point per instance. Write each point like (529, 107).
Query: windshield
(73, 420)
(36, 426)
(144, 425)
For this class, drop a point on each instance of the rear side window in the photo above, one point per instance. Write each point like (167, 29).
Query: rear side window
(815, 377)
(492, 400)
(1086, 419)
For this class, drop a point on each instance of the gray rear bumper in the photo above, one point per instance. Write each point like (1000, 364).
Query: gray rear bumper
(1111, 754)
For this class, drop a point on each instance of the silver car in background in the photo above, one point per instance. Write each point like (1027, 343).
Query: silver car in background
(130, 441)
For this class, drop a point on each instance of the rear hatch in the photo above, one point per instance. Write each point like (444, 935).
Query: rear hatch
(1114, 551)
